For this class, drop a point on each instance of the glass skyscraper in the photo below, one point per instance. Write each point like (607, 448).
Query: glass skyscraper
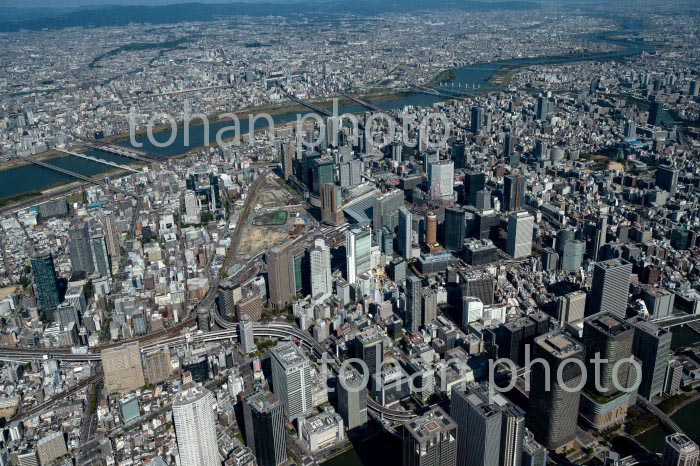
(46, 284)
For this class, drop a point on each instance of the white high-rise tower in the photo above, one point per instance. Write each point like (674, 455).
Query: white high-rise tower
(520, 226)
(321, 278)
(291, 379)
(359, 252)
(195, 427)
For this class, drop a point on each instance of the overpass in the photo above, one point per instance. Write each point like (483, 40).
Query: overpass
(676, 320)
(98, 160)
(284, 330)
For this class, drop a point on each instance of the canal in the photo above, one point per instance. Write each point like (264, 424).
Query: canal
(686, 418)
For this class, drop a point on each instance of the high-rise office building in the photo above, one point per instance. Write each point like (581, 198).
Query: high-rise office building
(332, 204)
(414, 291)
(474, 181)
(429, 157)
(477, 120)
(652, 346)
(441, 179)
(370, 348)
(544, 107)
(352, 398)
(387, 243)
(656, 109)
(46, 283)
(291, 379)
(67, 313)
(100, 256)
(680, 451)
(109, 226)
(512, 432)
(667, 179)
(123, 368)
(458, 154)
(385, 211)
(287, 155)
(195, 427)
(430, 229)
(610, 288)
(490, 428)
(430, 440)
(455, 228)
(520, 227)
(694, 89)
(359, 252)
(553, 410)
(428, 306)
(659, 302)
(509, 150)
(518, 334)
(486, 225)
(246, 336)
(323, 172)
(263, 415)
(599, 237)
(513, 192)
(355, 172)
(405, 234)
(278, 277)
(534, 454)
(299, 276)
(572, 255)
(571, 307)
(320, 261)
(611, 337)
(397, 151)
(481, 285)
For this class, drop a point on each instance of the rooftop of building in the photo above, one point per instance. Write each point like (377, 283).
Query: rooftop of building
(680, 442)
(476, 244)
(190, 395)
(609, 323)
(651, 328)
(262, 401)
(289, 354)
(322, 422)
(559, 344)
(430, 424)
(611, 263)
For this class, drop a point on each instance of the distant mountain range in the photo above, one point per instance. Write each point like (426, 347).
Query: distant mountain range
(14, 19)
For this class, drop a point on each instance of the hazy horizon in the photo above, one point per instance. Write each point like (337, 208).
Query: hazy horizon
(62, 4)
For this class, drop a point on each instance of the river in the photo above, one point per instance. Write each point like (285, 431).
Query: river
(467, 80)
(686, 418)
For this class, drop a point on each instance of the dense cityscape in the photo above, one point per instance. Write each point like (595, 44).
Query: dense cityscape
(449, 234)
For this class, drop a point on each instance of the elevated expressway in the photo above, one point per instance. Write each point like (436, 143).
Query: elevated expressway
(274, 330)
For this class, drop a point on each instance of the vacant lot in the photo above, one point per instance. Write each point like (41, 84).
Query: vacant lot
(277, 217)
